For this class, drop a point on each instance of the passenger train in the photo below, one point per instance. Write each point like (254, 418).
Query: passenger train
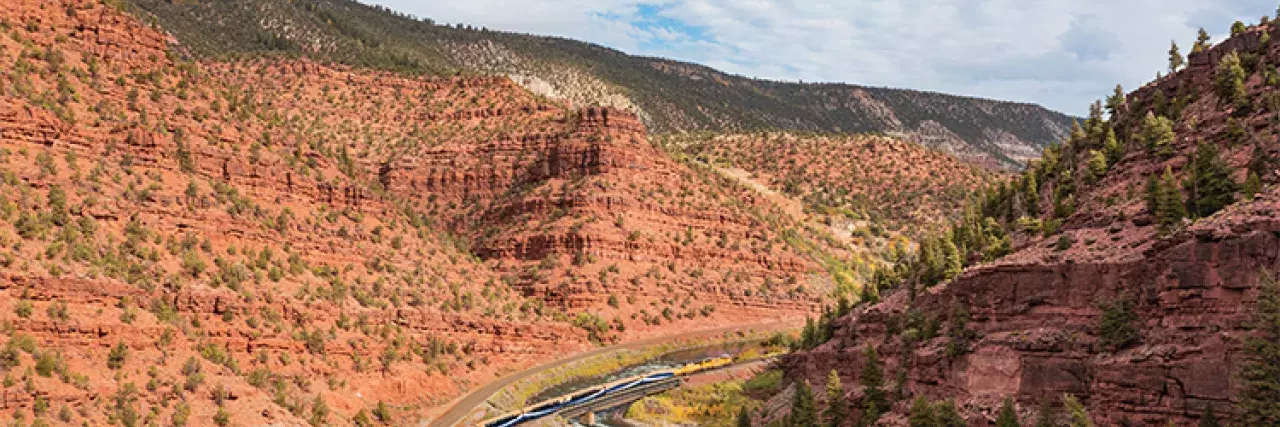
(546, 408)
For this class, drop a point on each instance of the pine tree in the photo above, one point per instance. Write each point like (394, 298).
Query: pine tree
(948, 415)
(1238, 28)
(1209, 419)
(1115, 103)
(1153, 195)
(869, 293)
(1175, 57)
(1170, 209)
(1077, 132)
(744, 417)
(1252, 185)
(836, 413)
(1063, 203)
(1008, 416)
(922, 414)
(1160, 102)
(1031, 197)
(804, 413)
(1097, 165)
(1212, 184)
(809, 334)
(1047, 416)
(953, 264)
(928, 261)
(1157, 134)
(1077, 416)
(1202, 41)
(1095, 125)
(869, 415)
(872, 380)
(1112, 147)
(1229, 81)
(1260, 373)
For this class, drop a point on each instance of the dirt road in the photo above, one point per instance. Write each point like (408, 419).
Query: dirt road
(465, 408)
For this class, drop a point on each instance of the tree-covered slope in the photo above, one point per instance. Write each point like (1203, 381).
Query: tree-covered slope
(670, 96)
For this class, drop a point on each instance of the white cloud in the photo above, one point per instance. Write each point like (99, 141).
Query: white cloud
(1058, 53)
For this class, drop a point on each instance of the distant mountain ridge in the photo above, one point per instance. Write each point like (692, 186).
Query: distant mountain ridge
(669, 96)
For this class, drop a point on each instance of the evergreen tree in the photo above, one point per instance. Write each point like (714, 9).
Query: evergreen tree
(1175, 57)
(869, 415)
(809, 334)
(1252, 185)
(1097, 165)
(836, 413)
(1212, 185)
(1209, 419)
(1170, 209)
(1202, 41)
(1160, 102)
(1238, 28)
(744, 417)
(1077, 133)
(1153, 194)
(1008, 416)
(804, 413)
(930, 261)
(1095, 125)
(921, 414)
(1157, 133)
(1229, 81)
(869, 293)
(1047, 416)
(1115, 103)
(1261, 161)
(872, 379)
(1260, 373)
(1077, 416)
(1063, 204)
(947, 415)
(1112, 147)
(953, 264)
(1031, 197)
(1116, 326)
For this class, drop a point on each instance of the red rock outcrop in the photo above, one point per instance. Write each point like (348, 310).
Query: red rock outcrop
(1033, 315)
(289, 241)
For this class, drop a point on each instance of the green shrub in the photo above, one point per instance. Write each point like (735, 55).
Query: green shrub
(117, 356)
(1116, 326)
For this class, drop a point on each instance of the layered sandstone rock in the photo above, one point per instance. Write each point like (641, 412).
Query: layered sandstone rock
(290, 241)
(1033, 329)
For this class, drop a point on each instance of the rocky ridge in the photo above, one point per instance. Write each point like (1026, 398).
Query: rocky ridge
(282, 241)
(1027, 325)
(669, 96)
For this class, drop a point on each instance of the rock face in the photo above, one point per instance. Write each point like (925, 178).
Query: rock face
(1032, 329)
(279, 241)
(573, 210)
(1037, 329)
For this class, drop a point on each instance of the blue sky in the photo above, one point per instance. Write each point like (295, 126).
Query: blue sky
(1062, 54)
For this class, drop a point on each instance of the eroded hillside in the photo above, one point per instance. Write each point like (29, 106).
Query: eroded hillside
(668, 96)
(1138, 247)
(283, 241)
(878, 185)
